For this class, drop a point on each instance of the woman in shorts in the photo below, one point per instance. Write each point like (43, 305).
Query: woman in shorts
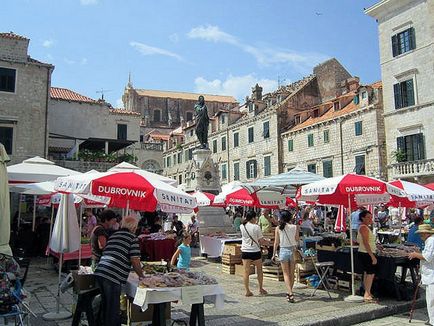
(287, 237)
(367, 250)
(252, 239)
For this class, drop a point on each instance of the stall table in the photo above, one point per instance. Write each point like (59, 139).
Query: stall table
(86, 253)
(156, 250)
(160, 297)
(213, 246)
(387, 265)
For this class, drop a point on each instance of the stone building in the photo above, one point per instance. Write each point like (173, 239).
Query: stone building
(78, 122)
(342, 135)
(246, 142)
(406, 37)
(24, 96)
(161, 113)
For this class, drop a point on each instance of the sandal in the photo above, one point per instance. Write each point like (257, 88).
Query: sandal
(290, 298)
(263, 292)
(249, 294)
(370, 300)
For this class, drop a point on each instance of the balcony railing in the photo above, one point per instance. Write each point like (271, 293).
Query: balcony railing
(152, 146)
(411, 169)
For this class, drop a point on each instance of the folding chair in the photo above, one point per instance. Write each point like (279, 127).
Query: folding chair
(15, 313)
(322, 270)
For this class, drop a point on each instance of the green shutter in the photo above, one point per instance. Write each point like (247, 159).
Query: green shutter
(290, 145)
(397, 93)
(410, 92)
(395, 45)
(412, 38)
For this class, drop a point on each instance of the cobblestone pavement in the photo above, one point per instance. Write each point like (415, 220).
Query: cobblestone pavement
(239, 310)
(420, 316)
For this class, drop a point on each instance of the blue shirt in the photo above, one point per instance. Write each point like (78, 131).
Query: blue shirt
(184, 257)
(355, 221)
(414, 237)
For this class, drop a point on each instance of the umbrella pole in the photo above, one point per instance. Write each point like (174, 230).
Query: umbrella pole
(80, 225)
(127, 210)
(34, 214)
(19, 211)
(51, 230)
(353, 297)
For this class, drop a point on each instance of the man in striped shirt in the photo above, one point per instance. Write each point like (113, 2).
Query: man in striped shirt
(121, 252)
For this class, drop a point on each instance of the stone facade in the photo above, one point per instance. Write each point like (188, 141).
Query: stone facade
(409, 25)
(88, 119)
(338, 131)
(246, 143)
(24, 104)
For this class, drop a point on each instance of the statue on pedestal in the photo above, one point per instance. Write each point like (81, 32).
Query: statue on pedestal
(202, 122)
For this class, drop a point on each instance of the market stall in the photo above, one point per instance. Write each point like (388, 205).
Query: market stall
(86, 253)
(156, 246)
(213, 244)
(159, 289)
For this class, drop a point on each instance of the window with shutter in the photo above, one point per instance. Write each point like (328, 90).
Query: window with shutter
(214, 146)
(412, 147)
(311, 168)
(122, 132)
(224, 171)
(250, 135)
(404, 94)
(236, 171)
(6, 138)
(290, 145)
(403, 42)
(266, 129)
(358, 128)
(326, 136)
(7, 80)
(251, 169)
(327, 168)
(267, 166)
(236, 139)
(310, 140)
(223, 143)
(360, 164)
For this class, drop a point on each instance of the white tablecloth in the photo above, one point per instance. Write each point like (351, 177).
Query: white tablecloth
(213, 246)
(214, 293)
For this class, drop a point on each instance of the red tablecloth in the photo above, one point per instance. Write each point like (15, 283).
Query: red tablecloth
(156, 250)
(86, 253)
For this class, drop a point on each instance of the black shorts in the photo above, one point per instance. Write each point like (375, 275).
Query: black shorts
(366, 263)
(251, 255)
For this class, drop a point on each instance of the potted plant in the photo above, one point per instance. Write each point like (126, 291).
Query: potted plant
(399, 156)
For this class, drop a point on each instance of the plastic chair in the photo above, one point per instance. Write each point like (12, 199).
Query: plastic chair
(17, 314)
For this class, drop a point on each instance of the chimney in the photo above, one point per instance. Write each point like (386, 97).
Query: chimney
(351, 84)
(257, 92)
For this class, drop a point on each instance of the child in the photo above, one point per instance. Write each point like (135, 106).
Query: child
(183, 253)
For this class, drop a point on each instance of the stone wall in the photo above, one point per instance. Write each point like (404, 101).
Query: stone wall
(13, 49)
(417, 64)
(84, 166)
(26, 109)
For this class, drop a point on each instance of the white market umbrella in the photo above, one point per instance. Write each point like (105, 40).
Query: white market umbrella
(64, 239)
(36, 169)
(5, 216)
(127, 167)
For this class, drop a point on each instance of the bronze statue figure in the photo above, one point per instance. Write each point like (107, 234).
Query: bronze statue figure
(202, 122)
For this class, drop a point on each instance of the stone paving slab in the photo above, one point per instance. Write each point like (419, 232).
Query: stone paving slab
(238, 310)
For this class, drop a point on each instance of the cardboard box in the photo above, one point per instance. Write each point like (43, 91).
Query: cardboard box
(137, 315)
(239, 270)
(83, 282)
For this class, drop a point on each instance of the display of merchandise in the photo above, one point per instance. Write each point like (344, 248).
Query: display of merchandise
(176, 279)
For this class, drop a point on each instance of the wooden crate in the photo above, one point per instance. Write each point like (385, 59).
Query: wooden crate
(228, 269)
(232, 249)
(231, 259)
(273, 273)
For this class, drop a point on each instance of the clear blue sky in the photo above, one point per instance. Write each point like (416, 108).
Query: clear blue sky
(209, 46)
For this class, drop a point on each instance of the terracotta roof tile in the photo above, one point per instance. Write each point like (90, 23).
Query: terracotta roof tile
(13, 36)
(186, 96)
(378, 84)
(65, 94)
(159, 136)
(329, 115)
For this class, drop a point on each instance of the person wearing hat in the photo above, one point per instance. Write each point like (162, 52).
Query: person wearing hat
(427, 266)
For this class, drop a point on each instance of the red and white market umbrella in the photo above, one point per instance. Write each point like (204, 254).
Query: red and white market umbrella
(341, 220)
(236, 195)
(130, 190)
(206, 199)
(350, 190)
(416, 195)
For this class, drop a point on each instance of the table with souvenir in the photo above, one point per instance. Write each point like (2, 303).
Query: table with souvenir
(157, 246)
(159, 288)
(213, 244)
(388, 278)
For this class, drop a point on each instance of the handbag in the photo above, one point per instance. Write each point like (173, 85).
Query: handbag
(264, 251)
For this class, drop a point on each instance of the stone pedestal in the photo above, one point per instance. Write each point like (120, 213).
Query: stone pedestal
(203, 175)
